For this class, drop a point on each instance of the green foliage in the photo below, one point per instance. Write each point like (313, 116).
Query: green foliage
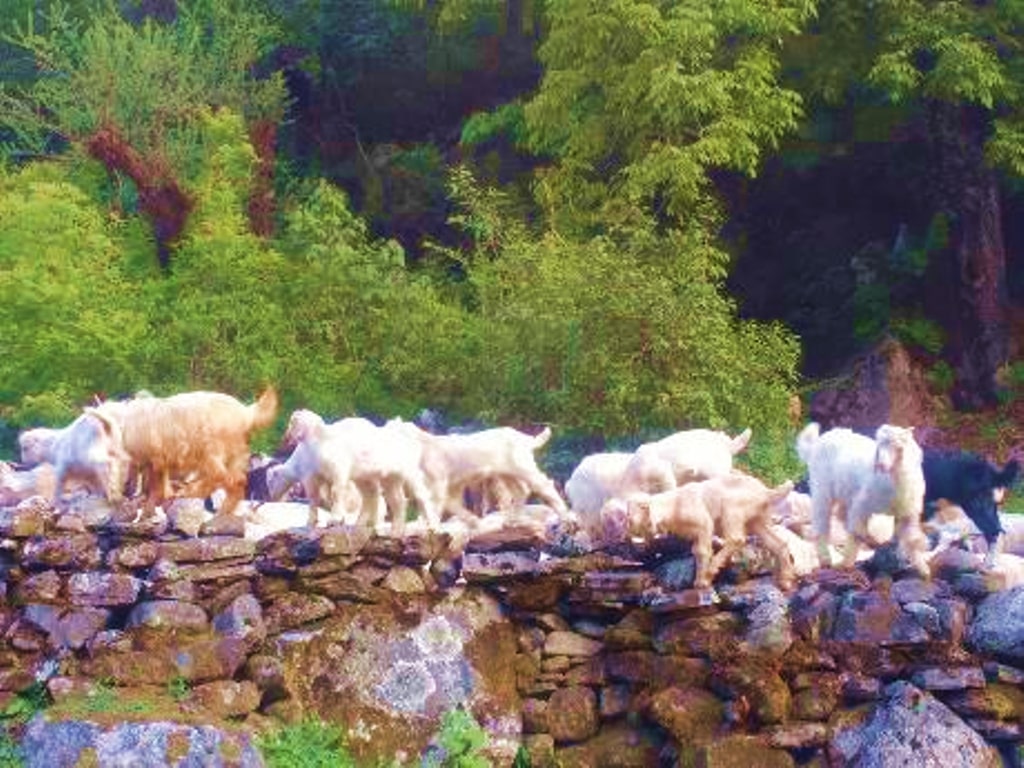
(507, 120)
(97, 70)
(917, 331)
(919, 51)
(461, 739)
(179, 688)
(522, 758)
(640, 99)
(941, 377)
(15, 714)
(611, 335)
(71, 317)
(222, 312)
(11, 753)
(308, 744)
(772, 457)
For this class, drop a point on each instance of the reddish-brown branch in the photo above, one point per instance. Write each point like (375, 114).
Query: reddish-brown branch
(263, 135)
(160, 196)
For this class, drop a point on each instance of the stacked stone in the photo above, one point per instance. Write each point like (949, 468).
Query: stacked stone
(620, 664)
(586, 659)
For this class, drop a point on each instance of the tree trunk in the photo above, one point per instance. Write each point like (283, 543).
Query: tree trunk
(160, 196)
(261, 200)
(976, 315)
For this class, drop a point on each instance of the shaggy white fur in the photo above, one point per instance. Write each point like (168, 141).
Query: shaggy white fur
(37, 445)
(731, 507)
(595, 480)
(453, 462)
(90, 449)
(680, 458)
(852, 476)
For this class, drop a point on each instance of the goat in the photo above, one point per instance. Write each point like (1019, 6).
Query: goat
(695, 454)
(731, 506)
(453, 462)
(200, 437)
(853, 476)
(972, 483)
(36, 445)
(596, 479)
(90, 449)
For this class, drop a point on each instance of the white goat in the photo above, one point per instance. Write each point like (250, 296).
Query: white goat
(853, 476)
(596, 479)
(377, 461)
(323, 468)
(90, 449)
(453, 462)
(731, 506)
(18, 485)
(36, 445)
(694, 454)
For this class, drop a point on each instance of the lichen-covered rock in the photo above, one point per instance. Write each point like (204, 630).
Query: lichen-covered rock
(758, 683)
(67, 629)
(910, 727)
(69, 744)
(98, 588)
(572, 714)
(206, 549)
(563, 643)
(243, 619)
(169, 616)
(740, 751)
(293, 609)
(42, 587)
(618, 745)
(699, 635)
(224, 698)
(80, 551)
(691, 716)
(387, 675)
(998, 626)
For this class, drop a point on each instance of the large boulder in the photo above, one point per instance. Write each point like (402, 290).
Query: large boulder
(68, 743)
(998, 626)
(388, 673)
(910, 727)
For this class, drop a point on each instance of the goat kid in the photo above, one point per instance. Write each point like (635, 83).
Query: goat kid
(852, 476)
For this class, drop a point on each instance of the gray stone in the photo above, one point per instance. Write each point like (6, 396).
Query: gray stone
(998, 626)
(64, 745)
(169, 615)
(243, 619)
(911, 727)
(98, 588)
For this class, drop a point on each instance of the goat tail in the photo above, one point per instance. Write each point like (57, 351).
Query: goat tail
(263, 412)
(741, 441)
(805, 441)
(541, 438)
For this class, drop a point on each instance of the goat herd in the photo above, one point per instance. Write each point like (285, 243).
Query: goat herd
(193, 444)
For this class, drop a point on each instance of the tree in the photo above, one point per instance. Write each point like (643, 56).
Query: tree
(641, 99)
(130, 94)
(955, 69)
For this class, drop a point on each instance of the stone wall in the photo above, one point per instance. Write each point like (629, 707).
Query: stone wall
(584, 659)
